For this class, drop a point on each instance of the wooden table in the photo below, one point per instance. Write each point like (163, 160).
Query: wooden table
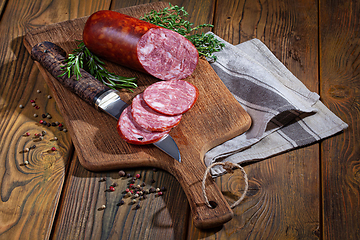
(308, 193)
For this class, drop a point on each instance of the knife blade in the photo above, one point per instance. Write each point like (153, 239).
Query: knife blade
(111, 103)
(103, 98)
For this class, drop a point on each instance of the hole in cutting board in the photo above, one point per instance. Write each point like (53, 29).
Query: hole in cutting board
(213, 204)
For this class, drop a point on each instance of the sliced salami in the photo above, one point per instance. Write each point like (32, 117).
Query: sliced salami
(172, 97)
(133, 133)
(150, 119)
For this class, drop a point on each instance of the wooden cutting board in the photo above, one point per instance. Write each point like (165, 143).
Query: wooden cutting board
(215, 118)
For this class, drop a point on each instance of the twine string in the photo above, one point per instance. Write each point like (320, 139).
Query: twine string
(229, 167)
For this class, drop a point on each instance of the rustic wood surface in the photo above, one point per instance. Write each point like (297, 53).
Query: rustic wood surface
(308, 193)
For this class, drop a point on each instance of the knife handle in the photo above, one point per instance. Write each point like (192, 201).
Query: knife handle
(52, 58)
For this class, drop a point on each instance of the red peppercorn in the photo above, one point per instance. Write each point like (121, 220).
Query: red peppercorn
(111, 188)
(60, 125)
(37, 107)
(137, 175)
(41, 121)
(53, 149)
(127, 190)
(32, 101)
(160, 193)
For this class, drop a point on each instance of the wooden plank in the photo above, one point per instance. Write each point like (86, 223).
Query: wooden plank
(339, 89)
(81, 216)
(29, 193)
(283, 199)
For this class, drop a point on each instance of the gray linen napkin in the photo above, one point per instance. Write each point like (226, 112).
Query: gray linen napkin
(284, 113)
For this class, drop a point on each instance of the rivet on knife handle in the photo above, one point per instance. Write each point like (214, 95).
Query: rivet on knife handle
(52, 58)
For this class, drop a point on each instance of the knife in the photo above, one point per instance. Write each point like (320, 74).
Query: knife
(103, 98)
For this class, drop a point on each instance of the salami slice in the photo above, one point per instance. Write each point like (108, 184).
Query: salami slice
(133, 133)
(172, 97)
(149, 119)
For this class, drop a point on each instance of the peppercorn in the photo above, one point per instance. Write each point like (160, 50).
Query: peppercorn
(53, 149)
(111, 188)
(137, 206)
(138, 176)
(121, 173)
(121, 203)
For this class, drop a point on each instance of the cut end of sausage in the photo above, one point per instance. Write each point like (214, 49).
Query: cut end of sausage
(166, 54)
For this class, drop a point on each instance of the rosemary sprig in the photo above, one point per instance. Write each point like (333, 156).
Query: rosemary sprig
(173, 18)
(81, 57)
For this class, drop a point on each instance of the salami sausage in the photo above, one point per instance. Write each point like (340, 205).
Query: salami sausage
(140, 45)
(171, 97)
(133, 133)
(149, 119)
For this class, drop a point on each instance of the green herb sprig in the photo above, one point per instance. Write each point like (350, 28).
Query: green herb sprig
(81, 57)
(173, 18)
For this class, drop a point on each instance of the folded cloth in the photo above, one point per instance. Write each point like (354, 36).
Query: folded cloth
(284, 113)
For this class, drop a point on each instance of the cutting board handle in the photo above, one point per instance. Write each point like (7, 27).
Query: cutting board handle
(189, 174)
(52, 57)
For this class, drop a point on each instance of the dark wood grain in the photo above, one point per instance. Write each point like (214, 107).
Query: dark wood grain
(159, 217)
(339, 88)
(283, 198)
(29, 193)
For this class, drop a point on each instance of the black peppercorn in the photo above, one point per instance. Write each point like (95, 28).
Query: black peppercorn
(121, 173)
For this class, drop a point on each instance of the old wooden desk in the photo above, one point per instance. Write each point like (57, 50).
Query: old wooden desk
(308, 193)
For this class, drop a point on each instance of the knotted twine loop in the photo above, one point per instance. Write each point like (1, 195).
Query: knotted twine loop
(229, 167)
